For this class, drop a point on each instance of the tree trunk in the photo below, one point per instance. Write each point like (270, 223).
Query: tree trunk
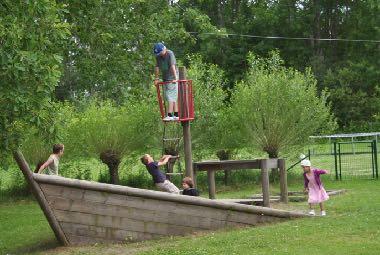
(112, 159)
(275, 174)
(224, 155)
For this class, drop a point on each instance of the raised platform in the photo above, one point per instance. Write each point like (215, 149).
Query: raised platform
(297, 196)
(248, 201)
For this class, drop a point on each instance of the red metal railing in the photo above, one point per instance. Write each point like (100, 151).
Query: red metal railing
(185, 99)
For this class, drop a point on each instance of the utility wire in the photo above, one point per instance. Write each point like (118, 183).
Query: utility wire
(287, 38)
(277, 37)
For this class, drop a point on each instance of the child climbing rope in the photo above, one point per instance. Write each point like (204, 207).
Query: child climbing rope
(313, 185)
(166, 63)
(159, 178)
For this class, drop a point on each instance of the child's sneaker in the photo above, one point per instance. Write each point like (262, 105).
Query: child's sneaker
(168, 118)
(323, 213)
(175, 118)
(312, 213)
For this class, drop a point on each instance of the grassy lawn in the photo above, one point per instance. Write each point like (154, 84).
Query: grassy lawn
(23, 228)
(351, 227)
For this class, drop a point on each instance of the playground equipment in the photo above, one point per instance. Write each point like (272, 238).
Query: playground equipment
(264, 164)
(185, 113)
(83, 212)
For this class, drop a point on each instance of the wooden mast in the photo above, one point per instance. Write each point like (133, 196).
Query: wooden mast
(39, 195)
(186, 135)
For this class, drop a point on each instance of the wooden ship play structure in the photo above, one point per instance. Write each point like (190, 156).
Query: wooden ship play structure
(84, 212)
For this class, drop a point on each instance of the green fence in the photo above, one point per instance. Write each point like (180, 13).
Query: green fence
(356, 160)
(347, 160)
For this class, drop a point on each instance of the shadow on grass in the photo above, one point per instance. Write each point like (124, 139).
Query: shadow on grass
(41, 246)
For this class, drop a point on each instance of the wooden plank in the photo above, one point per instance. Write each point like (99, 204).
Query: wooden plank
(149, 204)
(81, 240)
(59, 202)
(168, 217)
(201, 223)
(227, 165)
(250, 219)
(122, 223)
(245, 218)
(269, 163)
(249, 201)
(54, 190)
(106, 233)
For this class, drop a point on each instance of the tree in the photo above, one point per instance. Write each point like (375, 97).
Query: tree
(110, 51)
(31, 39)
(109, 132)
(209, 126)
(355, 95)
(276, 108)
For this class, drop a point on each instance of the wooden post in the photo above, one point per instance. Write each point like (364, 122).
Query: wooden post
(211, 183)
(59, 234)
(265, 182)
(226, 177)
(195, 176)
(186, 135)
(283, 181)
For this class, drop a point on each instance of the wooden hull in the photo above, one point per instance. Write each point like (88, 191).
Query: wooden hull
(83, 212)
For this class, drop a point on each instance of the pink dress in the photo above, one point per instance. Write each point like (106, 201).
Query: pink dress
(316, 194)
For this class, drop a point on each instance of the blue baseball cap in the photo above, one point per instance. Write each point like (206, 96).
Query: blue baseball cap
(158, 47)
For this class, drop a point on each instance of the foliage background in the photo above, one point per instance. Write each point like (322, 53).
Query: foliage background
(80, 72)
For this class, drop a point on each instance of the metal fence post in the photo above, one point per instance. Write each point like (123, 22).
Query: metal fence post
(340, 161)
(375, 158)
(336, 161)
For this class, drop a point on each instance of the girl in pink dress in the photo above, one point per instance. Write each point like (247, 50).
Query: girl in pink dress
(314, 186)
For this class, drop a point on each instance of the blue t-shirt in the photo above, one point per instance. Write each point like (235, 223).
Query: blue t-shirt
(158, 176)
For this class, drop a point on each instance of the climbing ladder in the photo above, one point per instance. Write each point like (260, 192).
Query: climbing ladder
(171, 141)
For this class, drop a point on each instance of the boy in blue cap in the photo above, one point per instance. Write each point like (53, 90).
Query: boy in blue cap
(166, 63)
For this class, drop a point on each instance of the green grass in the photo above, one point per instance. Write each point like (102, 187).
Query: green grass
(351, 227)
(23, 228)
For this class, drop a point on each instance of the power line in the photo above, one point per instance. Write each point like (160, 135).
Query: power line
(287, 38)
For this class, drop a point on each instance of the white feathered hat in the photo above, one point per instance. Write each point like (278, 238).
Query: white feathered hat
(304, 162)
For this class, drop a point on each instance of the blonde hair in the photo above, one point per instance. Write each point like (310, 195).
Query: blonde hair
(144, 159)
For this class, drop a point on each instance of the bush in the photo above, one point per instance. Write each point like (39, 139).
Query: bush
(82, 168)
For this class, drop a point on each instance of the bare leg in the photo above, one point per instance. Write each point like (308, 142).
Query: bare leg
(175, 106)
(171, 107)
(321, 206)
(312, 212)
